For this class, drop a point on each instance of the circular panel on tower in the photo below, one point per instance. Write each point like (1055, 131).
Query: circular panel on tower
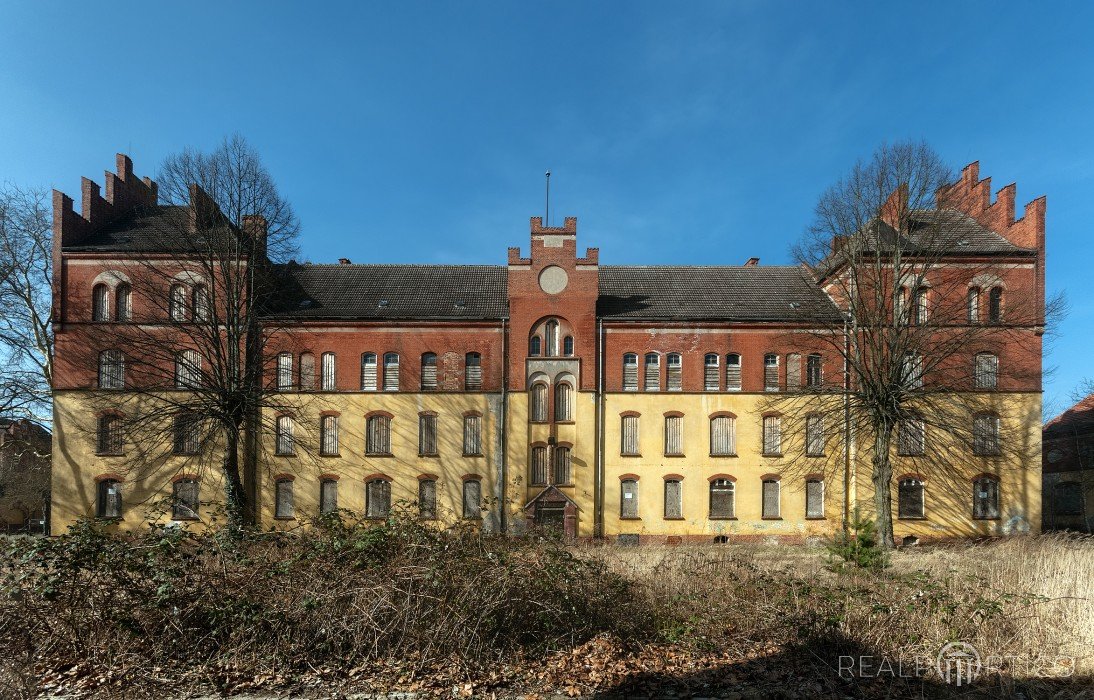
(553, 279)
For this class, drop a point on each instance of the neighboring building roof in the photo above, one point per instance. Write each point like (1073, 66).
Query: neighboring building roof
(1077, 420)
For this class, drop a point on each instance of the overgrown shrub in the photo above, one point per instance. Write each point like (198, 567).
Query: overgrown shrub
(859, 545)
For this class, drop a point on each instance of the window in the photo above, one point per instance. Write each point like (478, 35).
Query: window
(675, 372)
(562, 465)
(911, 437)
(733, 372)
(568, 346)
(328, 496)
(307, 371)
(539, 466)
(913, 370)
(721, 499)
(111, 369)
(391, 371)
(185, 500)
(773, 442)
(793, 372)
(986, 371)
(550, 333)
(110, 435)
(814, 498)
(109, 499)
(985, 434)
(674, 506)
(377, 498)
(378, 435)
(368, 371)
(1068, 498)
(123, 303)
(187, 433)
(472, 371)
(177, 303)
(628, 498)
(814, 435)
(201, 303)
(723, 437)
(710, 372)
(472, 499)
(427, 499)
(919, 313)
(653, 371)
(427, 435)
(328, 436)
(813, 367)
(771, 372)
(563, 401)
(974, 305)
(472, 435)
(284, 371)
(283, 500)
(674, 436)
(985, 498)
(629, 436)
(771, 492)
(630, 372)
(429, 371)
(910, 498)
(100, 303)
(534, 346)
(995, 305)
(188, 369)
(900, 306)
(328, 364)
(537, 411)
(284, 441)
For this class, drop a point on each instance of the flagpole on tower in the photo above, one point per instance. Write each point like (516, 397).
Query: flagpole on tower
(547, 215)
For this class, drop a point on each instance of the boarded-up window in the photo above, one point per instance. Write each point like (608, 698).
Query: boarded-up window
(773, 442)
(472, 371)
(771, 490)
(472, 435)
(328, 496)
(814, 435)
(427, 499)
(429, 371)
(187, 438)
(628, 498)
(985, 498)
(629, 436)
(100, 303)
(985, 434)
(391, 371)
(771, 372)
(630, 372)
(973, 303)
(562, 473)
(111, 369)
(674, 506)
(539, 466)
(674, 435)
(537, 411)
(563, 401)
(368, 371)
(910, 498)
(813, 365)
(109, 503)
(995, 305)
(378, 435)
(284, 371)
(329, 375)
(177, 303)
(201, 303)
(550, 335)
(123, 303)
(328, 435)
(307, 371)
(283, 501)
(723, 438)
(733, 372)
(472, 498)
(814, 498)
(109, 436)
(913, 370)
(427, 434)
(653, 372)
(793, 372)
(986, 371)
(377, 498)
(710, 372)
(674, 371)
(285, 443)
(911, 437)
(721, 498)
(185, 499)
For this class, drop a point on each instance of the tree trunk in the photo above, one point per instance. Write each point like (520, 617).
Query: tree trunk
(235, 496)
(883, 482)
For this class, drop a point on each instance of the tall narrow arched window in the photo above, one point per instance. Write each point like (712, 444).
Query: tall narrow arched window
(985, 498)
(986, 371)
(285, 442)
(919, 309)
(973, 305)
(733, 372)
(537, 411)
(111, 369)
(723, 438)
(307, 371)
(721, 499)
(328, 496)
(653, 372)
(814, 497)
(284, 371)
(391, 371)
(109, 438)
(100, 303)
(772, 436)
(188, 369)
(630, 372)
(539, 466)
(568, 346)
(995, 305)
(429, 371)
(913, 370)
(562, 473)
(813, 365)
(628, 436)
(427, 434)
(377, 498)
(368, 371)
(427, 499)
(472, 435)
(472, 371)
(710, 372)
(771, 506)
(378, 435)
(534, 346)
(123, 303)
(109, 501)
(793, 371)
(628, 498)
(472, 499)
(674, 499)
(187, 433)
(985, 434)
(674, 435)
(202, 311)
(550, 337)
(910, 501)
(563, 402)
(814, 435)
(771, 372)
(177, 303)
(329, 371)
(674, 371)
(185, 499)
(328, 436)
(283, 498)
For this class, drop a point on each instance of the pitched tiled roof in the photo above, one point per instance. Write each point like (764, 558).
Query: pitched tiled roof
(145, 230)
(963, 233)
(1079, 419)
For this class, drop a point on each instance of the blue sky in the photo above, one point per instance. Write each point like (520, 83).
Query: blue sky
(676, 132)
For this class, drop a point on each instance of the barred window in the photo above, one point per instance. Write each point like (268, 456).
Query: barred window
(283, 499)
(563, 401)
(472, 499)
(391, 371)
(329, 371)
(539, 466)
(427, 499)
(733, 372)
(723, 436)
(123, 303)
(328, 436)
(534, 344)
(109, 434)
(628, 498)
(721, 499)
(710, 372)
(814, 435)
(187, 433)
(913, 370)
(772, 442)
(201, 303)
(377, 498)
(674, 506)
(177, 303)
(111, 369)
(814, 498)
(472, 435)
(537, 411)
(910, 498)
(109, 499)
(328, 496)
(813, 365)
(630, 372)
(771, 495)
(285, 441)
(974, 305)
(771, 372)
(378, 435)
(793, 372)
(307, 371)
(188, 369)
(568, 346)
(674, 436)
(368, 371)
(995, 305)
(185, 500)
(919, 313)
(472, 371)
(653, 371)
(911, 437)
(100, 303)
(429, 371)
(675, 372)
(985, 498)
(427, 435)
(629, 436)
(284, 371)
(985, 434)
(562, 465)
(986, 371)
(550, 336)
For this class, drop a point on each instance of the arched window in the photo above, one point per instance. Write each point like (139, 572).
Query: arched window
(285, 443)
(910, 498)
(674, 371)
(814, 498)
(793, 371)
(995, 305)
(329, 371)
(283, 499)
(772, 438)
(710, 372)
(563, 402)
(771, 372)
(111, 369)
(537, 410)
(568, 346)
(427, 499)
(185, 499)
(674, 499)
(307, 371)
(177, 303)
(721, 499)
(973, 305)
(328, 436)
(653, 372)
(472, 499)
(628, 498)
(550, 335)
(814, 435)
(913, 370)
(368, 371)
(674, 436)
(630, 372)
(629, 435)
(539, 466)
(377, 498)
(328, 496)
(562, 465)
(472, 371)
(813, 365)
(733, 372)
(378, 435)
(723, 436)
(429, 371)
(187, 433)
(284, 371)
(188, 369)
(108, 503)
(100, 303)
(985, 371)
(985, 434)
(201, 303)
(911, 437)
(109, 434)
(123, 303)
(391, 371)
(427, 434)
(919, 311)
(472, 435)
(534, 344)
(985, 498)
(772, 491)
